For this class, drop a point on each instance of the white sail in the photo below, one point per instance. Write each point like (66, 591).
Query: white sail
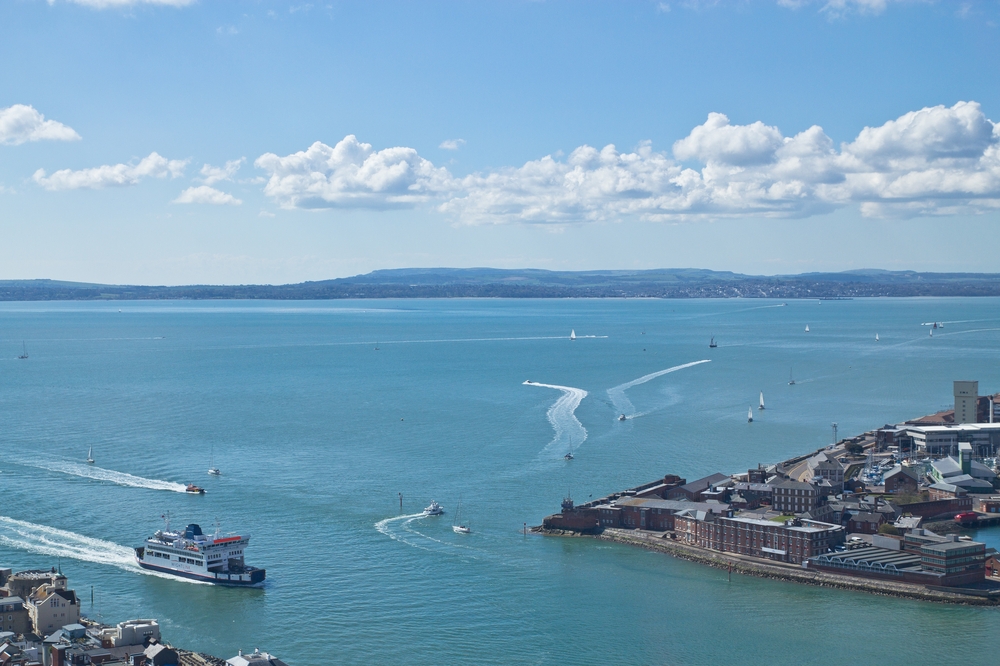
(876, 337)
(750, 415)
(807, 328)
(572, 334)
(761, 400)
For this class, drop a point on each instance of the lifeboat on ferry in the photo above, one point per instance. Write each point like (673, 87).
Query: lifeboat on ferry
(196, 490)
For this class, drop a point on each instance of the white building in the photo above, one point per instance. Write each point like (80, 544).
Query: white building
(132, 632)
(966, 402)
(944, 439)
(258, 658)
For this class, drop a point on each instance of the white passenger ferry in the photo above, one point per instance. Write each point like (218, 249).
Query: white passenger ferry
(191, 554)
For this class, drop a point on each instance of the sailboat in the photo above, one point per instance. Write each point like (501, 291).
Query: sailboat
(807, 328)
(90, 456)
(712, 344)
(24, 351)
(572, 334)
(376, 346)
(876, 337)
(212, 469)
(457, 526)
(930, 331)
(761, 401)
(750, 415)
(791, 379)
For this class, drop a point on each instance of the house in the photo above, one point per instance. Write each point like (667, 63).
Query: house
(158, 654)
(14, 616)
(901, 479)
(50, 607)
(865, 523)
(789, 496)
(822, 466)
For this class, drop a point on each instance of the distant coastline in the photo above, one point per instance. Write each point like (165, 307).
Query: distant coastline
(533, 283)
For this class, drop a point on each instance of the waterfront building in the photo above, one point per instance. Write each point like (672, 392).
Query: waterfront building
(14, 616)
(790, 541)
(966, 401)
(51, 607)
(694, 491)
(22, 583)
(130, 632)
(794, 496)
(937, 440)
(941, 561)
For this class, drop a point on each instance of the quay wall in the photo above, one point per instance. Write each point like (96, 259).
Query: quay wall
(793, 573)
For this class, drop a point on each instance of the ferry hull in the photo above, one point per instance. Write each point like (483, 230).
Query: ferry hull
(248, 579)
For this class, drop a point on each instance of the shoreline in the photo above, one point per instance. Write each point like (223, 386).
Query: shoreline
(750, 566)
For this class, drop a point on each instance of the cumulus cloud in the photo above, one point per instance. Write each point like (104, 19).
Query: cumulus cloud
(212, 174)
(203, 194)
(352, 175)
(111, 175)
(935, 161)
(113, 4)
(20, 123)
(938, 160)
(452, 144)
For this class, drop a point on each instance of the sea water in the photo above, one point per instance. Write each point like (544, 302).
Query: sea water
(322, 414)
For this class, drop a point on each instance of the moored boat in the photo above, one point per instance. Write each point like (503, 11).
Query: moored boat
(192, 554)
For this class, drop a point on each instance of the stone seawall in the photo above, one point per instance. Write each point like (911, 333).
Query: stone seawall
(781, 571)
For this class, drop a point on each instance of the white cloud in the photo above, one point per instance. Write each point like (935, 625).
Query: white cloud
(211, 174)
(203, 194)
(352, 175)
(935, 161)
(20, 123)
(113, 4)
(111, 175)
(452, 144)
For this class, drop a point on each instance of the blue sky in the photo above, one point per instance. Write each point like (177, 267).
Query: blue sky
(183, 141)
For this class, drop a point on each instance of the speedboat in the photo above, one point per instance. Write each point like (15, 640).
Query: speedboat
(621, 418)
(434, 509)
(191, 488)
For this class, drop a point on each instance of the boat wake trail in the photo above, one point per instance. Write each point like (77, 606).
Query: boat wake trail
(400, 528)
(621, 402)
(570, 433)
(54, 542)
(101, 474)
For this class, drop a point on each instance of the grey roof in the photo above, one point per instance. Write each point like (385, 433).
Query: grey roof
(867, 517)
(971, 483)
(700, 485)
(946, 487)
(951, 545)
(673, 505)
(788, 483)
(899, 469)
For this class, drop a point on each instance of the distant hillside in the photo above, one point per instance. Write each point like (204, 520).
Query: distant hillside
(534, 283)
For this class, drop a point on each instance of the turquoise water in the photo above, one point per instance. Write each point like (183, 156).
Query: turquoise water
(317, 433)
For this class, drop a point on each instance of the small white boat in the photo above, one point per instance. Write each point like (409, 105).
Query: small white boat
(621, 418)
(807, 328)
(434, 509)
(761, 401)
(750, 415)
(90, 456)
(457, 526)
(572, 334)
(212, 469)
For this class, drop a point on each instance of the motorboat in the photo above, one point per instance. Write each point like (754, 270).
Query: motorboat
(434, 509)
(193, 489)
(621, 418)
